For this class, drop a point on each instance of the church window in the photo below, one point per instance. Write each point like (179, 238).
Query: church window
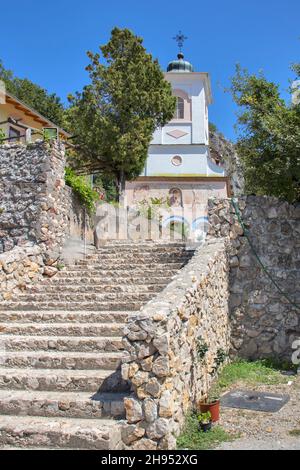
(179, 111)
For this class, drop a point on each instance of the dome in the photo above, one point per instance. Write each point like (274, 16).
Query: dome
(180, 65)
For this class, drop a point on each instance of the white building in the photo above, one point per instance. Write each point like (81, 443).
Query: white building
(179, 167)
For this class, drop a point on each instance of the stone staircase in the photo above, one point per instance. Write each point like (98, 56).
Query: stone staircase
(61, 347)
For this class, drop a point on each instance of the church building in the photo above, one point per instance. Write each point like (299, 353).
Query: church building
(179, 167)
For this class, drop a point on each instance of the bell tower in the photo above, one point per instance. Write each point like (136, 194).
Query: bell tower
(179, 161)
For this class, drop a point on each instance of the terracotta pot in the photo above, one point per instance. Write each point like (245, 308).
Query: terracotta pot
(213, 408)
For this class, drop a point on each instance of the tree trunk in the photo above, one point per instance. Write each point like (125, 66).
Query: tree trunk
(121, 188)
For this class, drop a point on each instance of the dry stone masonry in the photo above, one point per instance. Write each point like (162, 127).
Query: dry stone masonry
(166, 373)
(32, 195)
(19, 268)
(264, 323)
(38, 213)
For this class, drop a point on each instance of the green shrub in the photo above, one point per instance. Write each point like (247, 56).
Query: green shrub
(193, 439)
(84, 191)
(2, 135)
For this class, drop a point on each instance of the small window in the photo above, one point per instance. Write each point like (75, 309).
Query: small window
(179, 112)
(177, 160)
(14, 134)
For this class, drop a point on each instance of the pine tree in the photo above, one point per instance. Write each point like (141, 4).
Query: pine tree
(113, 119)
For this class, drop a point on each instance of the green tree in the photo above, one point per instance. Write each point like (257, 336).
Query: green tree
(269, 137)
(113, 119)
(49, 105)
(296, 69)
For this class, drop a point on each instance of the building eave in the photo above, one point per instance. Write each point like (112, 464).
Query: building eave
(11, 99)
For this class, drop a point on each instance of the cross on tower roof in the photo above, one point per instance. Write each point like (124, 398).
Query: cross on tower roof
(180, 38)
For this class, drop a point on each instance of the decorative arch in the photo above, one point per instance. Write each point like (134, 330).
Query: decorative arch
(200, 221)
(178, 227)
(174, 218)
(184, 105)
(200, 228)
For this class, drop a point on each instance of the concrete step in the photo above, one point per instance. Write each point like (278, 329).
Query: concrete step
(126, 266)
(73, 433)
(60, 343)
(62, 329)
(74, 306)
(116, 274)
(134, 282)
(62, 404)
(62, 360)
(123, 245)
(85, 296)
(61, 316)
(101, 289)
(62, 380)
(136, 256)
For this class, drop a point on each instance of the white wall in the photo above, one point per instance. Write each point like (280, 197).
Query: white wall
(194, 160)
(197, 128)
(192, 146)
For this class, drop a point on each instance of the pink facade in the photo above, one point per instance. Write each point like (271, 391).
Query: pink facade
(179, 201)
(193, 191)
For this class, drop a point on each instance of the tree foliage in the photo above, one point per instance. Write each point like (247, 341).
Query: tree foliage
(269, 137)
(49, 105)
(113, 119)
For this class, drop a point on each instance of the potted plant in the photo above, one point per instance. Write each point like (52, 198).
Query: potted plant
(205, 422)
(211, 405)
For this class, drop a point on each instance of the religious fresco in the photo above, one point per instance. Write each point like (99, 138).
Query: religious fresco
(175, 197)
(141, 193)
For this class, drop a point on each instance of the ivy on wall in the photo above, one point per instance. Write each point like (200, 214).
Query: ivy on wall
(82, 188)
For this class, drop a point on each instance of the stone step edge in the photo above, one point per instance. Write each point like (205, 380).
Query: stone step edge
(70, 354)
(16, 429)
(58, 338)
(30, 395)
(29, 372)
(77, 312)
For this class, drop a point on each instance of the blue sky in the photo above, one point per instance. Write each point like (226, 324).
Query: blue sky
(47, 41)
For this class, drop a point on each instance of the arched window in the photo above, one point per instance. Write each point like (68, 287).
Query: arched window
(179, 111)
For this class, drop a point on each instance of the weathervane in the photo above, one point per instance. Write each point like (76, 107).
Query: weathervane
(180, 38)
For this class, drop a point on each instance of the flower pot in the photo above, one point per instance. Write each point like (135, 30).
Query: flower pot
(213, 408)
(204, 427)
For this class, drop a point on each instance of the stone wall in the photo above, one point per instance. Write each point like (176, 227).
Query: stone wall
(32, 200)
(166, 374)
(224, 152)
(38, 213)
(263, 321)
(20, 267)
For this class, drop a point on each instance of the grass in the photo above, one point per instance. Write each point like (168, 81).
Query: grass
(295, 432)
(261, 372)
(193, 439)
